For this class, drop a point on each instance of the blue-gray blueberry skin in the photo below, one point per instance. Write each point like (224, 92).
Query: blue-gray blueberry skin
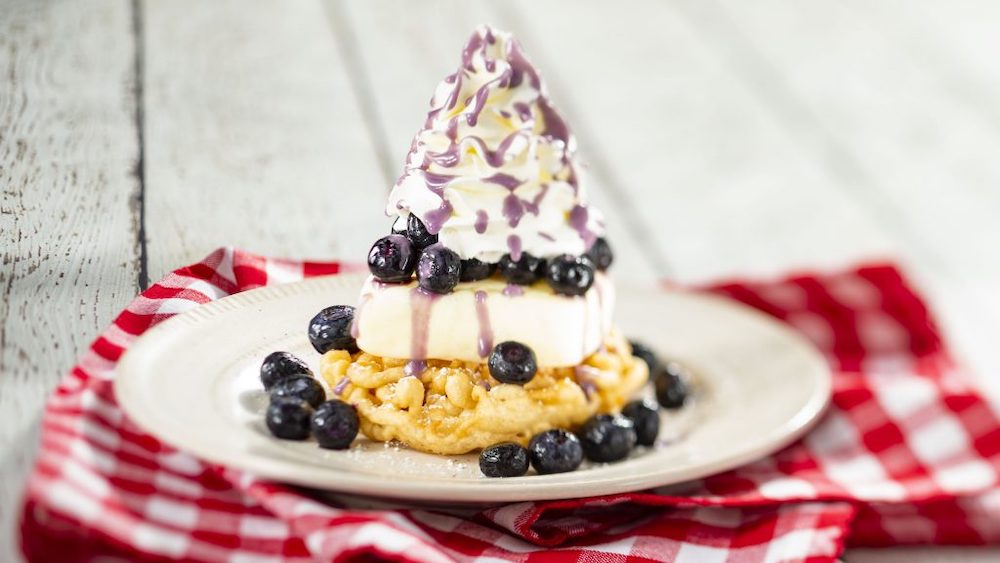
(512, 362)
(555, 451)
(330, 329)
(335, 424)
(606, 438)
(569, 275)
(288, 418)
(506, 459)
(392, 259)
(278, 366)
(526, 270)
(301, 387)
(645, 417)
(438, 269)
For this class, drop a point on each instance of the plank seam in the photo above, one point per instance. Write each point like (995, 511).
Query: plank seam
(739, 52)
(361, 86)
(139, 199)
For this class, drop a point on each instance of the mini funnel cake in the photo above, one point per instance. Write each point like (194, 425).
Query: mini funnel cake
(487, 317)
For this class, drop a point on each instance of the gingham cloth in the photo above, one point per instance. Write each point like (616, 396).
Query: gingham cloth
(907, 454)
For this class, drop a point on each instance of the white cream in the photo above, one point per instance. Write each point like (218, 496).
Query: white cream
(401, 321)
(494, 169)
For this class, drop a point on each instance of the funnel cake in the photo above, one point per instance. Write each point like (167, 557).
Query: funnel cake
(506, 330)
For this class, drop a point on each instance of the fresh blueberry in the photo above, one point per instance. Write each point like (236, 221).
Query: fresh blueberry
(474, 269)
(302, 387)
(392, 259)
(288, 418)
(335, 424)
(569, 275)
(438, 269)
(512, 362)
(330, 329)
(607, 438)
(279, 366)
(399, 226)
(671, 386)
(600, 254)
(555, 451)
(645, 418)
(506, 459)
(418, 233)
(525, 271)
(640, 350)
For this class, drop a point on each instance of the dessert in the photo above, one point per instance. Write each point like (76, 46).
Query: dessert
(486, 323)
(487, 317)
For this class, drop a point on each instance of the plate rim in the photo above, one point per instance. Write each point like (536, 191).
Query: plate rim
(531, 488)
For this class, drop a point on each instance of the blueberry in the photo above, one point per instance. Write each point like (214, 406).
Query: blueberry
(607, 438)
(278, 366)
(640, 350)
(330, 329)
(645, 418)
(600, 254)
(506, 459)
(392, 259)
(399, 226)
(569, 275)
(438, 269)
(418, 233)
(474, 269)
(525, 271)
(335, 424)
(302, 387)
(555, 451)
(288, 418)
(512, 362)
(671, 386)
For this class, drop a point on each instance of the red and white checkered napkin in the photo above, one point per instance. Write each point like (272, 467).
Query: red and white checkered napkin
(907, 454)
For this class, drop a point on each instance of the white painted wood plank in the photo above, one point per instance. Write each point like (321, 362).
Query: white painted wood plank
(404, 63)
(68, 153)
(919, 157)
(727, 189)
(254, 137)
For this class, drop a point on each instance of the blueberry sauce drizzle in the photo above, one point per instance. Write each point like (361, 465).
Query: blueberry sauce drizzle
(482, 221)
(338, 389)
(420, 317)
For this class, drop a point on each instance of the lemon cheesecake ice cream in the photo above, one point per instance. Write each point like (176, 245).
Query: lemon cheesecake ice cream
(488, 314)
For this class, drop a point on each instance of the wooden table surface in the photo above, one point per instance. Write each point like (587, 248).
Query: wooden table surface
(725, 138)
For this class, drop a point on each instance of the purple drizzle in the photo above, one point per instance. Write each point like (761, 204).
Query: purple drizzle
(513, 290)
(514, 245)
(420, 317)
(435, 218)
(485, 343)
(555, 127)
(338, 389)
(513, 210)
(414, 368)
(578, 220)
(482, 221)
(505, 180)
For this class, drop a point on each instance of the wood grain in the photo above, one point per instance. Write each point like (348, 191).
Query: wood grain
(254, 137)
(907, 149)
(68, 153)
(403, 79)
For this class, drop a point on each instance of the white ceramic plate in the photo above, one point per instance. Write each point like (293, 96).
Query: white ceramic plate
(192, 381)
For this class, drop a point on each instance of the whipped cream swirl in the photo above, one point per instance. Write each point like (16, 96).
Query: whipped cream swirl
(494, 168)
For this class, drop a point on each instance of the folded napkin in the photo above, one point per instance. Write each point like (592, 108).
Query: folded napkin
(908, 453)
